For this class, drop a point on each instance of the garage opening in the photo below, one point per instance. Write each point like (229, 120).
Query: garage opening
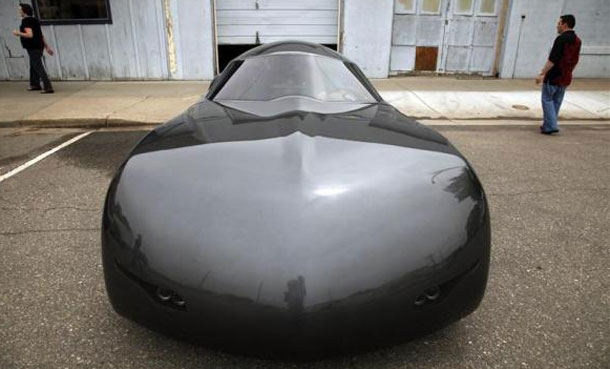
(226, 53)
(244, 24)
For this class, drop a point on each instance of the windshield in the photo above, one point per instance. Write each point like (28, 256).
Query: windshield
(270, 77)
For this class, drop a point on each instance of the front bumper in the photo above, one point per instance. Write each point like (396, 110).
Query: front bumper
(243, 326)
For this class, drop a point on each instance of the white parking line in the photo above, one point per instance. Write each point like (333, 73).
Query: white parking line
(42, 156)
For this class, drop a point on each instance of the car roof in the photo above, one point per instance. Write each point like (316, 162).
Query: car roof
(291, 46)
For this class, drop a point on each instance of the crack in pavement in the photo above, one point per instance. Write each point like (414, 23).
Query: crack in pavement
(107, 118)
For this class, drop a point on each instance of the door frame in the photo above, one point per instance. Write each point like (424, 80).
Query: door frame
(215, 37)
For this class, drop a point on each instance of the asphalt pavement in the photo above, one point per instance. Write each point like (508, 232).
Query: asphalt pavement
(547, 304)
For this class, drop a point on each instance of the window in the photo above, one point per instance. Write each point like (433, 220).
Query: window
(271, 77)
(72, 11)
(463, 7)
(404, 6)
(430, 6)
(487, 7)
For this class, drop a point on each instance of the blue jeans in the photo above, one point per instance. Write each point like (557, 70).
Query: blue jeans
(552, 96)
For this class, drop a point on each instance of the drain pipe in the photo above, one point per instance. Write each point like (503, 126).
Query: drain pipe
(500, 37)
(518, 45)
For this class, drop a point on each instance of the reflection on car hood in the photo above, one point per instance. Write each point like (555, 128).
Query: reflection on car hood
(231, 203)
(210, 122)
(291, 103)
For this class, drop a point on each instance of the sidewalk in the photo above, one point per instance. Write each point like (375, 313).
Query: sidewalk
(432, 100)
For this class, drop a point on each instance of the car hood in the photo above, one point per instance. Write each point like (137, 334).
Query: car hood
(225, 202)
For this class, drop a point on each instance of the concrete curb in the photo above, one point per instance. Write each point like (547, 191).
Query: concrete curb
(93, 123)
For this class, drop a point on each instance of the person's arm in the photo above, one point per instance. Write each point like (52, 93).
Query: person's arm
(547, 67)
(27, 34)
(46, 46)
(554, 58)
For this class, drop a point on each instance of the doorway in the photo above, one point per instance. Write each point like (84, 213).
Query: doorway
(446, 36)
(244, 24)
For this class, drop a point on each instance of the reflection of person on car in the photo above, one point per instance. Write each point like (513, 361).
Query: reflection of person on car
(295, 296)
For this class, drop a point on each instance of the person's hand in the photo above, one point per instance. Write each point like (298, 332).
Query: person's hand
(539, 79)
(15, 32)
(49, 50)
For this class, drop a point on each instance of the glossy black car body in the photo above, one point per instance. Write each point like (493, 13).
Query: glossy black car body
(295, 227)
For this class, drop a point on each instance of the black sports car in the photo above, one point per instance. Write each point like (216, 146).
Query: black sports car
(292, 212)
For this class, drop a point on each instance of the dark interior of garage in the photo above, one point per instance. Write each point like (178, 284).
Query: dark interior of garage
(226, 53)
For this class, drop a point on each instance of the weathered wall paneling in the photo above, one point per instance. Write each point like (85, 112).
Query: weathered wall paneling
(593, 27)
(367, 35)
(146, 20)
(132, 47)
(137, 45)
(96, 54)
(196, 44)
(531, 31)
(191, 22)
(14, 64)
(70, 52)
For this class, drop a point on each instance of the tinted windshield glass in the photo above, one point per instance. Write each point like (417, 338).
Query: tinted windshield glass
(270, 77)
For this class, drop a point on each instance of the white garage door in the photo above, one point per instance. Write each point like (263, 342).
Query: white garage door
(263, 21)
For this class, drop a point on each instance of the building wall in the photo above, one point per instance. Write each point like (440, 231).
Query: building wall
(135, 46)
(531, 30)
(193, 45)
(12, 56)
(174, 39)
(367, 35)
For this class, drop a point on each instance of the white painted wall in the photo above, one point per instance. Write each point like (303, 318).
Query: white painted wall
(134, 46)
(367, 35)
(192, 22)
(593, 28)
(13, 63)
(531, 31)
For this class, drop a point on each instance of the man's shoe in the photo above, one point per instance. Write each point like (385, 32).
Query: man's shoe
(549, 132)
(34, 88)
(47, 92)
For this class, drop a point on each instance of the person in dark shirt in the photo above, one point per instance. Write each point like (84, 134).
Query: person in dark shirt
(33, 41)
(557, 72)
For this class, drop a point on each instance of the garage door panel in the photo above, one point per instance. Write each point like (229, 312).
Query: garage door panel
(250, 40)
(247, 17)
(276, 4)
(252, 21)
(277, 30)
